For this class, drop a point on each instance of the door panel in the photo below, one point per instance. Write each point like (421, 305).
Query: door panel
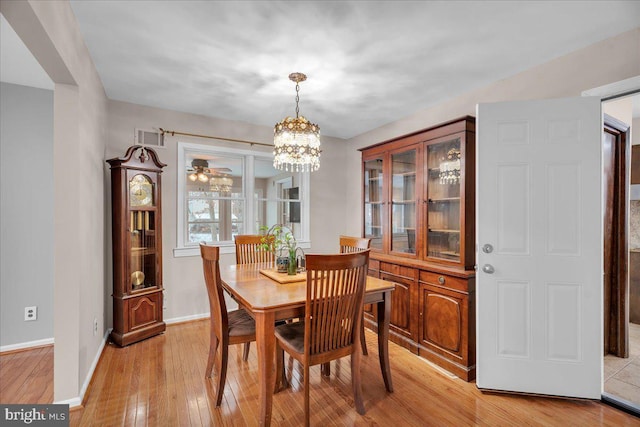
(539, 285)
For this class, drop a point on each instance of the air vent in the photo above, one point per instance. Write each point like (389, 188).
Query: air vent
(149, 138)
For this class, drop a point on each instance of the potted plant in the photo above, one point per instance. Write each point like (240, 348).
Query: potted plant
(279, 239)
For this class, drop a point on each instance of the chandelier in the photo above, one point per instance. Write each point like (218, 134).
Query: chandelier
(220, 183)
(450, 169)
(296, 140)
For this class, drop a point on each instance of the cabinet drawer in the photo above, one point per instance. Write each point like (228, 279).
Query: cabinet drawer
(444, 281)
(399, 271)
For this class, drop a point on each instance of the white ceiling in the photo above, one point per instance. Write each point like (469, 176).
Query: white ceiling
(368, 62)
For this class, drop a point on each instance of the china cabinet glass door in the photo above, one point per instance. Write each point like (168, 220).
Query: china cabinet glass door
(403, 202)
(373, 201)
(443, 196)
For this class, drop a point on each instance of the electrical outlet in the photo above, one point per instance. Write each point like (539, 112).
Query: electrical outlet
(95, 326)
(164, 302)
(30, 313)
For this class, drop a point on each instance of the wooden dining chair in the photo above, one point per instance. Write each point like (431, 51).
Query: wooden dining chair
(249, 249)
(227, 328)
(354, 244)
(331, 326)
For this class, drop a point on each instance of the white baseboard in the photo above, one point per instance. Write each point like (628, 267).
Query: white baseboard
(186, 318)
(25, 345)
(74, 402)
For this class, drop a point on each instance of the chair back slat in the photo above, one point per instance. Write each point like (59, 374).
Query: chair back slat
(353, 244)
(335, 292)
(249, 249)
(211, 267)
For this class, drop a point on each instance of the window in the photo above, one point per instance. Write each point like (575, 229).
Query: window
(223, 192)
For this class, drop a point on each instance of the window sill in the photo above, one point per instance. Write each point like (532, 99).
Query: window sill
(224, 249)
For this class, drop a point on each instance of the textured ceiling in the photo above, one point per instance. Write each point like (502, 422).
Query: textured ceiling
(368, 63)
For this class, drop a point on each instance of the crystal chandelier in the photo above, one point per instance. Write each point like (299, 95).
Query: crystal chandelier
(220, 183)
(296, 140)
(450, 169)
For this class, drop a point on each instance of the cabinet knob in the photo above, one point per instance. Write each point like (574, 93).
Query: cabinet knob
(441, 280)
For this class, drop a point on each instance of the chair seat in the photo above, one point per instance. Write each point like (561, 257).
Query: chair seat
(293, 333)
(241, 323)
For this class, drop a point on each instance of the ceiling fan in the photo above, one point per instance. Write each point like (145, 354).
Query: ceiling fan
(200, 171)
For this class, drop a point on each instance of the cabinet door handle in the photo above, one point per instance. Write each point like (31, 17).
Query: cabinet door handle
(441, 280)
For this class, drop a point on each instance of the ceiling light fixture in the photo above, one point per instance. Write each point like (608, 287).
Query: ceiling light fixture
(199, 174)
(296, 140)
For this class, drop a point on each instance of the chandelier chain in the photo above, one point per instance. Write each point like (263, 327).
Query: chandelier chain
(297, 99)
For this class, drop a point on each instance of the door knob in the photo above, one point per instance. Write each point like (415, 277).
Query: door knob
(488, 268)
(487, 248)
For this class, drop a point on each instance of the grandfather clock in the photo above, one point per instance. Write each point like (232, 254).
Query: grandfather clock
(137, 245)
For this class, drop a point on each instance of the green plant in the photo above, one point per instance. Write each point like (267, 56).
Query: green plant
(280, 239)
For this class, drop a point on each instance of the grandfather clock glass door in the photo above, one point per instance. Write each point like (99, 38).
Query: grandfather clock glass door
(142, 264)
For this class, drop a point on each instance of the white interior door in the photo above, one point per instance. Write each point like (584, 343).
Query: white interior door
(539, 286)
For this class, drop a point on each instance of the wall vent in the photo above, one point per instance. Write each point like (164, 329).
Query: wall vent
(149, 138)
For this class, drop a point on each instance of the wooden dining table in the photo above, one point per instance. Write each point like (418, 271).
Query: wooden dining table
(267, 300)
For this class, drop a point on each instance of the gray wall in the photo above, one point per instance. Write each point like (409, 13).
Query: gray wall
(26, 212)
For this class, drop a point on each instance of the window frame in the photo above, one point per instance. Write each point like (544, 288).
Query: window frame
(186, 249)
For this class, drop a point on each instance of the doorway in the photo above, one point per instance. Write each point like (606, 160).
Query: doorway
(621, 255)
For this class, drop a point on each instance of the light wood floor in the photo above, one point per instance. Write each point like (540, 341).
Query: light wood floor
(160, 382)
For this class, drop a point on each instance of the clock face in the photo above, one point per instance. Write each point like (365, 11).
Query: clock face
(140, 191)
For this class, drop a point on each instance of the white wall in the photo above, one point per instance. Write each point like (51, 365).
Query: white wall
(612, 60)
(50, 32)
(182, 277)
(26, 213)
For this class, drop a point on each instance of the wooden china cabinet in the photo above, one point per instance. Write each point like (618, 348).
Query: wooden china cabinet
(137, 245)
(419, 211)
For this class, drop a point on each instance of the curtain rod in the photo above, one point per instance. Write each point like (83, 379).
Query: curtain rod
(242, 141)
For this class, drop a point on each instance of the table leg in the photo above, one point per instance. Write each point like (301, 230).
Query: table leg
(265, 342)
(384, 315)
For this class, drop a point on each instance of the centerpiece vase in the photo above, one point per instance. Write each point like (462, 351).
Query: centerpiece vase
(292, 268)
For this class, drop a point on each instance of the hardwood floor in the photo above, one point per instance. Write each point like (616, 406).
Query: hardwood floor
(27, 376)
(160, 382)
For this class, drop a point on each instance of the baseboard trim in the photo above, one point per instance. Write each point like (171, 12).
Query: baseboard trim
(26, 345)
(186, 318)
(75, 402)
